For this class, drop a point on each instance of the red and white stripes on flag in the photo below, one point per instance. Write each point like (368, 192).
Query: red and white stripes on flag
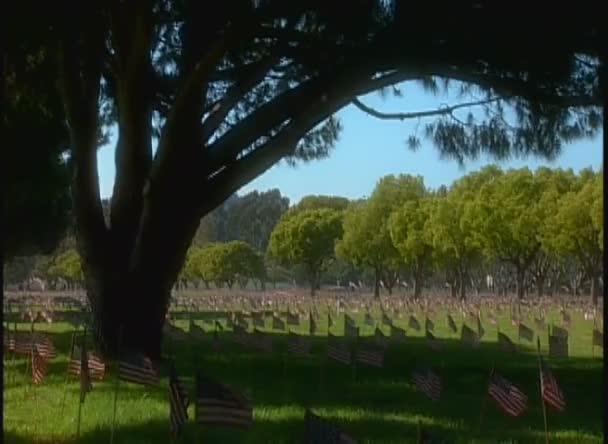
(552, 394)
(45, 346)
(338, 351)
(298, 345)
(218, 404)
(428, 383)
(96, 365)
(508, 396)
(39, 367)
(371, 357)
(138, 369)
(178, 402)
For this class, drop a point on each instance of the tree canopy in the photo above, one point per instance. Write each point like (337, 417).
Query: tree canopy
(307, 238)
(230, 90)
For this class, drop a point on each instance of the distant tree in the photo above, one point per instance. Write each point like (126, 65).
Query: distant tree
(411, 233)
(337, 203)
(455, 243)
(67, 266)
(252, 217)
(366, 241)
(576, 229)
(307, 238)
(508, 217)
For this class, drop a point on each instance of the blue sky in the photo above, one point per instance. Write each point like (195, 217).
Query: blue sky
(370, 148)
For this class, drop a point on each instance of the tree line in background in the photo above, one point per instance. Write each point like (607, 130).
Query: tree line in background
(513, 230)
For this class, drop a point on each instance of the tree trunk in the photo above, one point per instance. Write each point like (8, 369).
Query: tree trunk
(417, 284)
(462, 284)
(376, 283)
(595, 289)
(540, 286)
(520, 287)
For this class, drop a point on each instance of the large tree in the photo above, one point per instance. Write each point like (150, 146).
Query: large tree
(307, 238)
(231, 89)
(576, 230)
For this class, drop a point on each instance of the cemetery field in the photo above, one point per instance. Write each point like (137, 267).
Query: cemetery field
(372, 405)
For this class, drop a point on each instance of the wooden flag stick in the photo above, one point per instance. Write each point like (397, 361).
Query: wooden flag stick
(542, 401)
(116, 386)
(83, 355)
(485, 399)
(67, 375)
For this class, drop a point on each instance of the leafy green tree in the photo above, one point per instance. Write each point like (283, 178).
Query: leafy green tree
(367, 241)
(455, 243)
(508, 218)
(229, 91)
(576, 229)
(252, 217)
(411, 233)
(337, 203)
(67, 266)
(307, 238)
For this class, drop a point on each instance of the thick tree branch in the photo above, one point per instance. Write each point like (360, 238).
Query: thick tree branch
(447, 110)
(230, 178)
(80, 94)
(236, 92)
(133, 154)
(351, 80)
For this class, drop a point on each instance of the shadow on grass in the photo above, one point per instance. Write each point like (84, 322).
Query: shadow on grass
(382, 404)
(291, 430)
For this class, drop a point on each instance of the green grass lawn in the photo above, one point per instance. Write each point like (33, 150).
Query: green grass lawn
(379, 406)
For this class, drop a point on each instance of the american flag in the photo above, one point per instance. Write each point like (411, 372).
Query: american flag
(452, 324)
(312, 325)
(397, 333)
(349, 327)
(428, 383)
(241, 336)
(525, 332)
(386, 320)
(39, 366)
(321, 431)
(338, 351)
(293, 319)
(598, 338)
(371, 357)
(505, 343)
(45, 346)
(432, 341)
(298, 345)
(262, 341)
(330, 321)
(85, 377)
(429, 325)
(178, 400)
(278, 323)
(175, 333)
(380, 338)
(217, 404)
(258, 319)
(369, 320)
(138, 369)
(558, 346)
(540, 323)
(468, 335)
(196, 332)
(550, 390)
(558, 331)
(480, 330)
(509, 397)
(566, 320)
(413, 323)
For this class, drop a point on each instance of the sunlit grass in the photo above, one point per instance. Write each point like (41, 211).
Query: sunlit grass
(376, 406)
